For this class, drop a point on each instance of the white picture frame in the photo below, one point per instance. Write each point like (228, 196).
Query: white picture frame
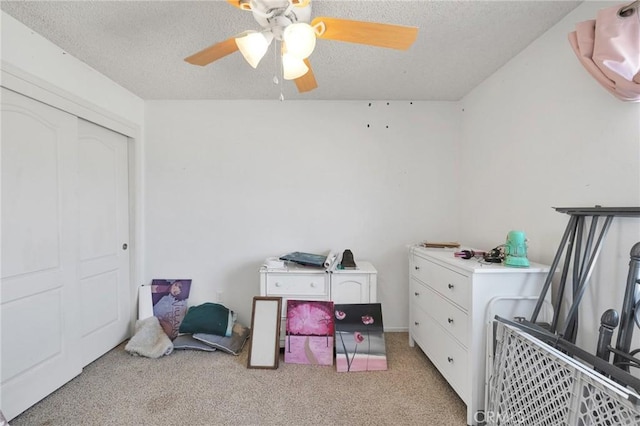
(264, 345)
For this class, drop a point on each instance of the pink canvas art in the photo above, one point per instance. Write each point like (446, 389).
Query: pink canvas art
(309, 338)
(359, 333)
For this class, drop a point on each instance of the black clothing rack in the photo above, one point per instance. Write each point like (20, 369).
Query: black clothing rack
(623, 355)
(585, 253)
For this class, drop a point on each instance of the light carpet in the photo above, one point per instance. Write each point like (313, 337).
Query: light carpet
(215, 388)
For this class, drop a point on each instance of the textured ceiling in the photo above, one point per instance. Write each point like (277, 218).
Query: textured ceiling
(141, 45)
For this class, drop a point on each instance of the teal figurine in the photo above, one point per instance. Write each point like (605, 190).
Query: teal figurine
(515, 250)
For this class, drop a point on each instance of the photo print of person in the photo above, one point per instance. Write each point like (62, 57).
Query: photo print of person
(169, 298)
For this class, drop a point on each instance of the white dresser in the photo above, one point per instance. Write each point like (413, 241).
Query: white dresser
(452, 301)
(306, 283)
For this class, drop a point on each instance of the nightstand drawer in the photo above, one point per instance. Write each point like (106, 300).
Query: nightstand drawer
(451, 318)
(298, 285)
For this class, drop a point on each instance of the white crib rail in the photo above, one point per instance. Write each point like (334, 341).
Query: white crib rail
(534, 384)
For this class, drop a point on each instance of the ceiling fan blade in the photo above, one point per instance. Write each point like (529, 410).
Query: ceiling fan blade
(213, 53)
(371, 33)
(307, 82)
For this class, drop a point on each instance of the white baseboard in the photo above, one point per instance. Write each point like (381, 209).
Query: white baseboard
(396, 329)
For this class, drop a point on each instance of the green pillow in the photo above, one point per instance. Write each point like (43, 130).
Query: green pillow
(209, 318)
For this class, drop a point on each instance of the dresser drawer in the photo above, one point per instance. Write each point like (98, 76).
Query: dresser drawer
(451, 284)
(447, 315)
(298, 285)
(445, 353)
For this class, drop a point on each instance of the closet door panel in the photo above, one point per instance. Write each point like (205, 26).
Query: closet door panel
(103, 254)
(30, 185)
(38, 289)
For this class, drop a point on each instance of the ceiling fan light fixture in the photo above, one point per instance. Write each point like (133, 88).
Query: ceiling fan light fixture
(290, 23)
(253, 46)
(300, 39)
(300, 3)
(293, 67)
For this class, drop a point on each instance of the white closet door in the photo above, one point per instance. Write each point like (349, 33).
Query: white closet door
(39, 321)
(103, 234)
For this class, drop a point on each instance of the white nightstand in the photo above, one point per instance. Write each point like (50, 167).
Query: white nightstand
(307, 283)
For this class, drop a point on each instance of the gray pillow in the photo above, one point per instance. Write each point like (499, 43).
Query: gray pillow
(186, 341)
(232, 345)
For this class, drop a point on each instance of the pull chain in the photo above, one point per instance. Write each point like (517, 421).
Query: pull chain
(279, 59)
(275, 61)
(279, 69)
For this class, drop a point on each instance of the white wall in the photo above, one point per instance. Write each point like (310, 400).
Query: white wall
(541, 133)
(231, 183)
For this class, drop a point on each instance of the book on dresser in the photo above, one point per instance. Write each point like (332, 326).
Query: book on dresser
(305, 259)
(452, 303)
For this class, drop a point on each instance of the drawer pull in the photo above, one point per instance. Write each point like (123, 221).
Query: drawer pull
(278, 284)
(450, 286)
(450, 320)
(416, 293)
(312, 285)
(450, 359)
(416, 268)
(416, 323)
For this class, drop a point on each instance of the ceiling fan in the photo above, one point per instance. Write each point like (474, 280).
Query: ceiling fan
(289, 21)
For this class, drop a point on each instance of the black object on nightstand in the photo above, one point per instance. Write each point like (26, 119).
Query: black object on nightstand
(347, 259)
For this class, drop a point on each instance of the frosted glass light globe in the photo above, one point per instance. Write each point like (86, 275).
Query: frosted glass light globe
(293, 67)
(253, 46)
(300, 39)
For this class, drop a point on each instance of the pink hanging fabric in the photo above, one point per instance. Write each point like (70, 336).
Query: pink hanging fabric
(609, 49)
